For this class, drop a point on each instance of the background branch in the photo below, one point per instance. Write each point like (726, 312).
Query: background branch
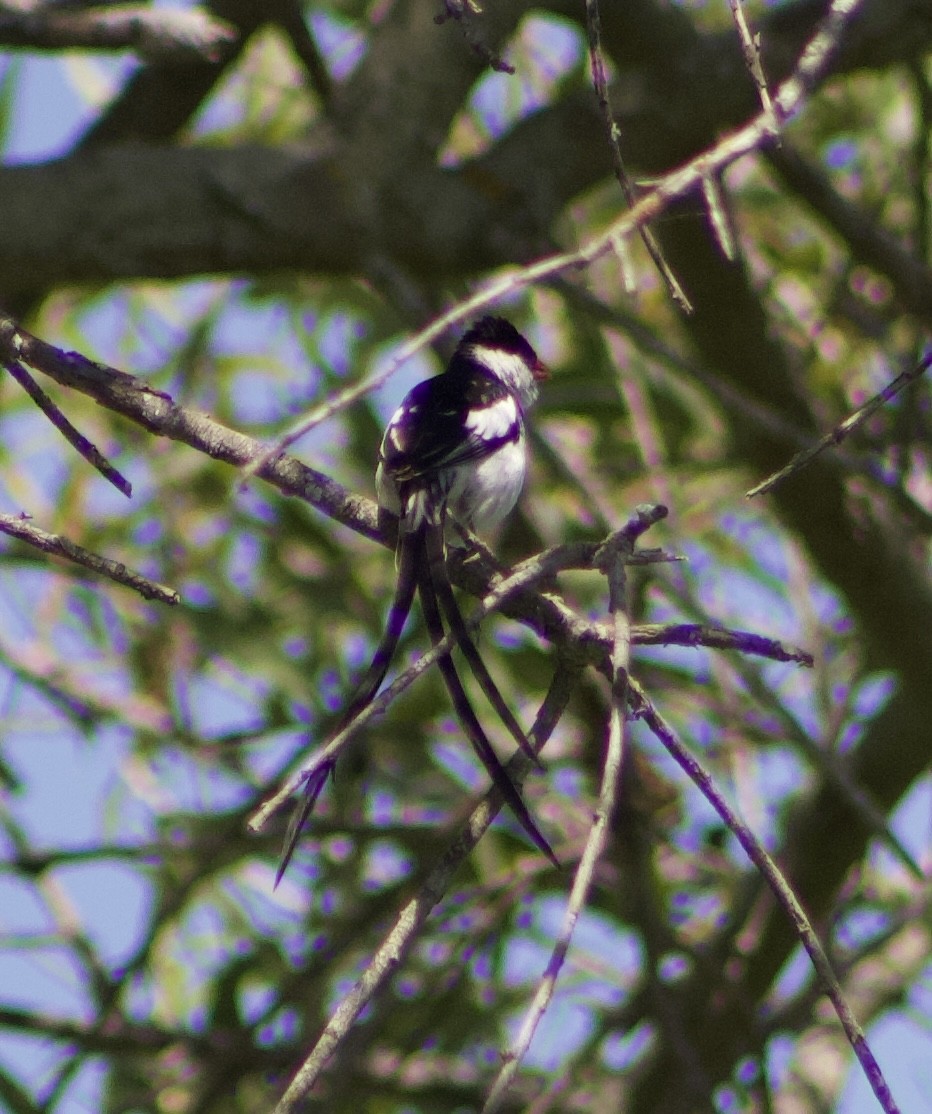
(57, 546)
(175, 34)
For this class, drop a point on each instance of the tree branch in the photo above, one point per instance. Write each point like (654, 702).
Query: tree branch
(58, 546)
(409, 922)
(173, 34)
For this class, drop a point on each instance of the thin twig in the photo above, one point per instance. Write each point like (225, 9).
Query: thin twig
(463, 12)
(718, 216)
(795, 1011)
(790, 96)
(830, 764)
(780, 889)
(597, 66)
(845, 428)
(750, 47)
(719, 638)
(544, 565)
(614, 566)
(387, 957)
(58, 546)
(74, 437)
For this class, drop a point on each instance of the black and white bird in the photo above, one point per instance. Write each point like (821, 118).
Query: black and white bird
(454, 454)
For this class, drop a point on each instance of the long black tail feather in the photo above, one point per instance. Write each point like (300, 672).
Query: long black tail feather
(312, 790)
(397, 617)
(408, 547)
(463, 708)
(421, 567)
(447, 600)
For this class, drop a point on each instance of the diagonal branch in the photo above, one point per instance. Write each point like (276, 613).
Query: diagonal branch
(789, 99)
(58, 546)
(750, 48)
(411, 919)
(73, 436)
(781, 891)
(846, 428)
(611, 557)
(597, 66)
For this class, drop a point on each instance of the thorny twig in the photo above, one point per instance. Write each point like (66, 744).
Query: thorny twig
(780, 888)
(612, 559)
(597, 66)
(463, 12)
(789, 99)
(410, 920)
(844, 429)
(751, 50)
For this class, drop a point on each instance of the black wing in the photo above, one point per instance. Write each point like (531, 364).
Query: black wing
(449, 420)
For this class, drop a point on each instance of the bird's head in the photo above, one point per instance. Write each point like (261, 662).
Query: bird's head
(504, 353)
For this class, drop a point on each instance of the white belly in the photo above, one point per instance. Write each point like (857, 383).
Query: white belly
(484, 493)
(479, 494)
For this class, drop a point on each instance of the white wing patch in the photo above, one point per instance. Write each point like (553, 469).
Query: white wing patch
(494, 422)
(394, 430)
